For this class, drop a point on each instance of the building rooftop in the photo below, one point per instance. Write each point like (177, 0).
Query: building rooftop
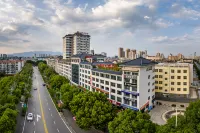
(138, 62)
(85, 55)
(107, 71)
(105, 63)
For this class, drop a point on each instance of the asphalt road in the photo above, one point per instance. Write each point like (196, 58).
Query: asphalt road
(46, 117)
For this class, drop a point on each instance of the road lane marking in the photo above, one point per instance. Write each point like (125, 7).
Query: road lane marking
(33, 131)
(58, 112)
(54, 122)
(41, 108)
(58, 130)
(47, 103)
(49, 108)
(24, 124)
(34, 123)
(51, 115)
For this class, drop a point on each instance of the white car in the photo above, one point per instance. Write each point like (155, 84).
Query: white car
(30, 117)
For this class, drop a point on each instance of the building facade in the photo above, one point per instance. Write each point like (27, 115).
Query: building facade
(76, 43)
(173, 78)
(11, 67)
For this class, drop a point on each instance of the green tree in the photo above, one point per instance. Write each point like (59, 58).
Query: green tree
(8, 121)
(57, 81)
(129, 121)
(92, 109)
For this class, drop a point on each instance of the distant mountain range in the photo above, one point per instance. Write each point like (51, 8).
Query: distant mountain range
(32, 53)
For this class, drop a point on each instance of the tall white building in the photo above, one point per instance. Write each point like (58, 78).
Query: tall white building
(76, 43)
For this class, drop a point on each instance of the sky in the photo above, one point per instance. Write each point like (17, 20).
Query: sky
(166, 26)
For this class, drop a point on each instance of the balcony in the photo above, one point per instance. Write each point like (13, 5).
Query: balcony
(130, 76)
(130, 92)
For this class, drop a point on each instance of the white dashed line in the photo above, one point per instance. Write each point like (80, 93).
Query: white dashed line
(33, 131)
(51, 115)
(34, 123)
(49, 108)
(58, 130)
(54, 122)
(47, 103)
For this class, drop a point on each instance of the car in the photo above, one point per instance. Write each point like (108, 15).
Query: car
(35, 88)
(44, 84)
(30, 117)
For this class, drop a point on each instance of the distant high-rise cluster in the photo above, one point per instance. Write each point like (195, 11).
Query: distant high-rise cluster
(76, 43)
(131, 54)
(3, 56)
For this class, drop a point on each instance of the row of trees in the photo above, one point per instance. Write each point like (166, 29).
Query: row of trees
(197, 70)
(92, 109)
(12, 89)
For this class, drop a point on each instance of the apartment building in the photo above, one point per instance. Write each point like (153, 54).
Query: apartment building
(11, 67)
(64, 68)
(76, 43)
(173, 78)
(132, 87)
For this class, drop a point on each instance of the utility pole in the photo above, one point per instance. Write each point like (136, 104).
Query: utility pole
(176, 118)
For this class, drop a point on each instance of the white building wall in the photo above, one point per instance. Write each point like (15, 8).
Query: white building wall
(146, 86)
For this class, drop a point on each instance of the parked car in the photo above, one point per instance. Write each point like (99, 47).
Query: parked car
(44, 84)
(30, 117)
(35, 88)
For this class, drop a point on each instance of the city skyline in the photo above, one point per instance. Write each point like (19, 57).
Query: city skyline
(165, 26)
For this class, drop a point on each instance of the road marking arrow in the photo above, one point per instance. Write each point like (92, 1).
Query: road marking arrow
(38, 116)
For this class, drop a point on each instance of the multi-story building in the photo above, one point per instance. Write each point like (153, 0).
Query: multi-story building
(64, 68)
(121, 53)
(132, 87)
(127, 53)
(76, 43)
(3, 56)
(11, 67)
(173, 78)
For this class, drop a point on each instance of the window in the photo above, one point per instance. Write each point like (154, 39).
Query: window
(93, 73)
(184, 71)
(178, 71)
(93, 84)
(165, 84)
(107, 88)
(160, 76)
(165, 78)
(88, 72)
(172, 71)
(113, 84)
(107, 83)
(156, 76)
(178, 89)
(184, 77)
(178, 83)
(112, 97)
(160, 70)
(156, 87)
(113, 90)
(85, 71)
(156, 70)
(97, 74)
(172, 89)
(160, 82)
(153, 97)
(149, 76)
(119, 92)
(102, 87)
(172, 83)
(97, 80)
(172, 77)
(149, 98)
(148, 90)
(97, 85)
(113, 77)
(178, 77)
(119, 78)
(93, 79)
(102, 81)
(119, 99)
(127, 95)
(184, 89)
(160, 88)
(184, 83)
(165, 72)
(156, 82)
(119, 86)
(102, 75)
(107, 76)
(148, 83)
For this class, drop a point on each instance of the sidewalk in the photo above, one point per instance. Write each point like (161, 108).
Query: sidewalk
(68, 117)
(20, 119)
